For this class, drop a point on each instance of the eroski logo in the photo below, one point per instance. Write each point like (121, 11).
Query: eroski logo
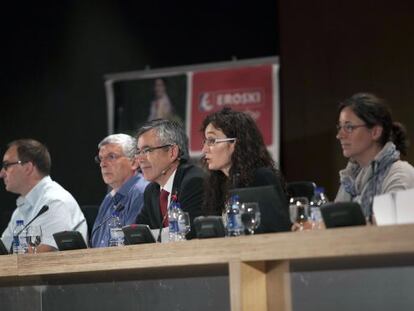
(237, 97)
(205, 104)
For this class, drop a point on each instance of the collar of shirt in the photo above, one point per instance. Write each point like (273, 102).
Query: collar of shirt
(169, 186)
(30, 204)
(125, 188)
(34, 195)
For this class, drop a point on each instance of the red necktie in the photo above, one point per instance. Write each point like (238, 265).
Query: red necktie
(163, 206)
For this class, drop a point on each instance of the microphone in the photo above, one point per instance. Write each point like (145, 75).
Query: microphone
(78, 225)
(43, 210)
(119, 207)
(161, 227)
(165, 170)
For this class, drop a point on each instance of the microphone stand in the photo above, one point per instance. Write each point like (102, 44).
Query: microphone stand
(161, 227)
(44, 209)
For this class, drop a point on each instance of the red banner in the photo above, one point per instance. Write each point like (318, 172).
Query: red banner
(248, 89)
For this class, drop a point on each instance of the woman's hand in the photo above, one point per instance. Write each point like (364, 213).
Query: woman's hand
(305, 225)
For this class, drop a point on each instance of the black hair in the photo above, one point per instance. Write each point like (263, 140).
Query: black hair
(250, 153)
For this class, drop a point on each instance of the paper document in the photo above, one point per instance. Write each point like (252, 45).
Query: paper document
(394, 208)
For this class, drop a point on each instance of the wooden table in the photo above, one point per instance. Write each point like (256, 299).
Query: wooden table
(258, 266)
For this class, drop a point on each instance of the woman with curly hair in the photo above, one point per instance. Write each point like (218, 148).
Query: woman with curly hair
(373, 143)
(236, 157)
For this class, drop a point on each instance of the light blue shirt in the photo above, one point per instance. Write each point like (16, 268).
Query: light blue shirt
(63, 213)
(131, 196)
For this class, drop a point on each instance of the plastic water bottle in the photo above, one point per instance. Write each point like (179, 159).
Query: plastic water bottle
(183, 220)
(19, 240)
(234, 221)
(115, 231)
(173, 215)
(319, 199)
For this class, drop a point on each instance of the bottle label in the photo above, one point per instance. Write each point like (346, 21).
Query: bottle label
(231, 221)
(117, 237)
(173, 226)
(117, 233)
(234, 224)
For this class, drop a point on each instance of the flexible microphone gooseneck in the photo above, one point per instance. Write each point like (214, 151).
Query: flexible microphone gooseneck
(161, 227)
(119, 207)
(78, 225)
(166, 169)
(43, 210)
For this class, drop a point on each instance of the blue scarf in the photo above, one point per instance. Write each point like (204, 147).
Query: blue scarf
(379, 169)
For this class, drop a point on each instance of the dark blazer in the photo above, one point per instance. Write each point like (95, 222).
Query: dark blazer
(264, 176)
(188, 185)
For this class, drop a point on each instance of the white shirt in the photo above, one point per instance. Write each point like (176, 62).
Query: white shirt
(64, 212)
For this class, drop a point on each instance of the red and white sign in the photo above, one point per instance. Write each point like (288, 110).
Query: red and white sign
(248, 89)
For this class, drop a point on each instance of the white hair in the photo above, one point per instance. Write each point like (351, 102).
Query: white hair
(127, 142)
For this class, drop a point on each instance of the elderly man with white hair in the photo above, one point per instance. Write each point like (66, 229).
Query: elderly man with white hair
(119, 169)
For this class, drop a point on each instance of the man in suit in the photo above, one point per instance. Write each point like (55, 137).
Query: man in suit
(162, 154)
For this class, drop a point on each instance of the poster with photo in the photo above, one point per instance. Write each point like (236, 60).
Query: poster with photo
(188, 94)
(141, 100)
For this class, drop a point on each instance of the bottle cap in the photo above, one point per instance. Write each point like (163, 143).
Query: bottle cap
(235, 197)
(320, 190)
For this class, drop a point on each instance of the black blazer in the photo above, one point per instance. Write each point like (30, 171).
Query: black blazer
(264, 176)
(189, 186)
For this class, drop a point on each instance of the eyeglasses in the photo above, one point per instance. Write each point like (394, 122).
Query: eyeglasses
(145, 151)
(348, 128)
(212, 141)
(109, 158)
(6, 165)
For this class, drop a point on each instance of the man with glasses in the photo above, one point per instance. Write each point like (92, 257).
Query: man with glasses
(163, 154)
(119, 169)
(25, 171)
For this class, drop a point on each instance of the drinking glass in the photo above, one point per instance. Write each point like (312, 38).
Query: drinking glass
(33, 237)
(298, 210)
(250, 216)
(184, 225)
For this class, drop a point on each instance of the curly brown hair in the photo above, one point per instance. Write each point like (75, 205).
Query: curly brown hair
(249, 154)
